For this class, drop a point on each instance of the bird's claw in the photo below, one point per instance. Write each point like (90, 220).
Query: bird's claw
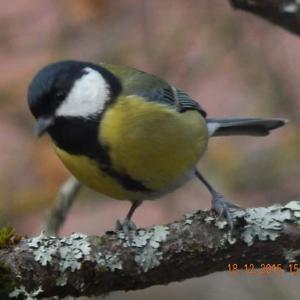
(125, 226)
(222, 207)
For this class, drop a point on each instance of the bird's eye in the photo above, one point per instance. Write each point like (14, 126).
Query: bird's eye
(60, 96)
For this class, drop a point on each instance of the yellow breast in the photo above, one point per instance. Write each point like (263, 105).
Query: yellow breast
(151, 142)
(147, 141)
(88, 172)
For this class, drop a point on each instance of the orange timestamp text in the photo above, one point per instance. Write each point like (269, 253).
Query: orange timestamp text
(264, 269)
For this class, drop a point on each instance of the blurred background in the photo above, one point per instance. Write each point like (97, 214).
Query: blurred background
(233, 63)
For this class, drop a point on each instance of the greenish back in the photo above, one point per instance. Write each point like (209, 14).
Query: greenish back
(135, 81)
(152, 88)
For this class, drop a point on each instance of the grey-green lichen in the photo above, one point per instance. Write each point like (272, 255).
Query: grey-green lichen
(261, 223)
(266, 223)
(62, 279)
(148, 259)
(108, 261)
(149, 242)
(209, 219)
(291, 256)
(221, 223)
(22, 292)
(70, 252)
(295, 207)
(189, 218)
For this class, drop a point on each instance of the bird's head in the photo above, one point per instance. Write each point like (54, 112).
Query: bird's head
(70, 89)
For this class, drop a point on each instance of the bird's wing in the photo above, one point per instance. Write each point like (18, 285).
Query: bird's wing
(173, 97)
(152, 88)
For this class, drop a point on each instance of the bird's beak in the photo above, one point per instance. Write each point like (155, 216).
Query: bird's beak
(42, 126)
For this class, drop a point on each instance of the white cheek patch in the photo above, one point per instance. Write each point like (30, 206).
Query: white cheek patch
(87, 96)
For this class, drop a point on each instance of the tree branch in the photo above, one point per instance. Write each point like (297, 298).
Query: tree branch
(284, 13)
(197, 245)
(64, 200)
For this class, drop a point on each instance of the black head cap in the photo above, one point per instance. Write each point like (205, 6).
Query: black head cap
(52, 84)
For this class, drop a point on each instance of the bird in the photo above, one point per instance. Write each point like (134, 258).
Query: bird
(129, 134)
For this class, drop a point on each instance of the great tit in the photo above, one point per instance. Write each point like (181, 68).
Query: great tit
(129, 134)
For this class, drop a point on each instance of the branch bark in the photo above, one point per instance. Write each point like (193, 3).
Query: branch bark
(284, 13)
(197, 245)
(63, 203)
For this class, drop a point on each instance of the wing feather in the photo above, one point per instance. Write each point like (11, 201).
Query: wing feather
(173, 97)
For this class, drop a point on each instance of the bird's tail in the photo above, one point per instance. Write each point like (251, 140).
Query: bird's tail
(242, 126)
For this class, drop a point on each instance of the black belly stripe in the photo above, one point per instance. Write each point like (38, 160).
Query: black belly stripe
(125, 180)
(78, 136)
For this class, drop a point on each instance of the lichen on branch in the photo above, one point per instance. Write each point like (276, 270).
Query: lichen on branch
(199, 244)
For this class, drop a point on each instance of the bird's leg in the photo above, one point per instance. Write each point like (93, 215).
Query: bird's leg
(219, 204)
(127, 224)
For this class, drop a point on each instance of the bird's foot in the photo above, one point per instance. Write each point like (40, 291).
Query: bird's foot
(222, 207)
(125, 226)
